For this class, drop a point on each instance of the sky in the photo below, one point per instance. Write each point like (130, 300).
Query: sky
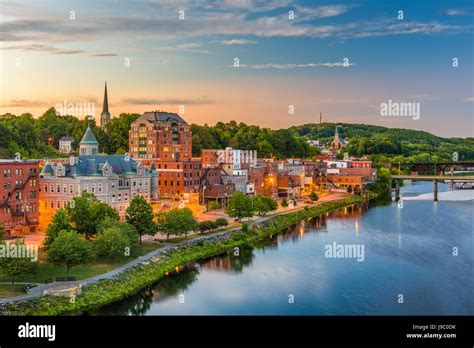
(274, 63)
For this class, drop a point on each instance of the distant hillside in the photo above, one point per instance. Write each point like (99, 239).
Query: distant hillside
(39, 137)
(391, 142)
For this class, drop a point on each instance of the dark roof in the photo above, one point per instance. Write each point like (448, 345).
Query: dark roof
(93, 165)
(160, 116)
(89, 137)
(66, 138)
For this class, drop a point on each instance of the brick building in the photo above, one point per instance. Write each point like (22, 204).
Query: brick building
(19, 196)
(160, 136)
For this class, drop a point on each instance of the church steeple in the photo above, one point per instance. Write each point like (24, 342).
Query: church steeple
(105, 115)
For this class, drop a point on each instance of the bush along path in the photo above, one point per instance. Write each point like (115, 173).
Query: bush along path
(108, 290)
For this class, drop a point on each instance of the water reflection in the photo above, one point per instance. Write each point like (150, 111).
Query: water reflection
(406, 250)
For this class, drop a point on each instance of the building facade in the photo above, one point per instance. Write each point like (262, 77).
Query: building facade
(19, 196)
(113, 179)
(160, 136)
(65, 144)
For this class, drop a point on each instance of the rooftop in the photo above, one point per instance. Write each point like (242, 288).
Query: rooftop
(89, 137)
(160, 116)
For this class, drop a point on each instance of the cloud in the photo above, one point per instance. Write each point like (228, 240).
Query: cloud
(14, 103)
(104, 55)
(189, 47)
(41, 48)
(293, 66)
(319, 12)
(235, 42)
(170, 101)
(67, 52)
(208, 18)
(469, 99)
(455, 12)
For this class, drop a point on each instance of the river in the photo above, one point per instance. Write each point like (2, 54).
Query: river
(417, 260)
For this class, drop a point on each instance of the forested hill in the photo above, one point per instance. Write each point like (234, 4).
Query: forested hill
(39, 137)
(391, 142)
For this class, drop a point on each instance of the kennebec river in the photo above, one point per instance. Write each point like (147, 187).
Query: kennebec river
(420, 255)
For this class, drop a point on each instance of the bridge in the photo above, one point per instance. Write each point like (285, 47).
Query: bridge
(440, 167)
(434, 178)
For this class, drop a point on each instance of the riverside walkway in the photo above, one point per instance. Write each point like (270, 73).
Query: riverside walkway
(39, 288)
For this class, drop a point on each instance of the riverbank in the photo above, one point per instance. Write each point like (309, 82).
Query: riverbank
(107, 291)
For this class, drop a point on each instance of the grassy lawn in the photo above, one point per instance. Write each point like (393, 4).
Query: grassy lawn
(47, 270)
(8, 290)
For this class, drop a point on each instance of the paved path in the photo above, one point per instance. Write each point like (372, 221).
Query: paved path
(38, 290)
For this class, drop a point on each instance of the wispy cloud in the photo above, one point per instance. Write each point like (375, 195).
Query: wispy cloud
(99, 55)
(42, 48)
(235, 42)
(169, 101)
(224, 18)
(320, 12)
(189, 47)
(294, 66)
(27, 103)
(455, 12)
(469, 99)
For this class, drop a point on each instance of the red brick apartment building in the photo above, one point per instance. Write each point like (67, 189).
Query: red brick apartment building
(19, 196)
(161, 136)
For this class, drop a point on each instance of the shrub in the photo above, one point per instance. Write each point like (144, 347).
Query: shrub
(221, 222)
(207, 226)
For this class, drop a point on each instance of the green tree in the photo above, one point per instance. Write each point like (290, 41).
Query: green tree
(69, 249)
(60, 221)
(117, 131)
(270, 202)
(264, 204)
(87, 212)
(221, 222)
(112, 243)
(17, 266)
(313, 196)
(2, 233)
(140, 215)
(129, 231)
(177, 222)
(239, 206)
(284, 203)
(213, 205)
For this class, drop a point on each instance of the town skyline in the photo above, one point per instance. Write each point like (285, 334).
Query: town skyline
(153, 60)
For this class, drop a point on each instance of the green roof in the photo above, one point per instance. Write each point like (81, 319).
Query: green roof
(89, 137)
